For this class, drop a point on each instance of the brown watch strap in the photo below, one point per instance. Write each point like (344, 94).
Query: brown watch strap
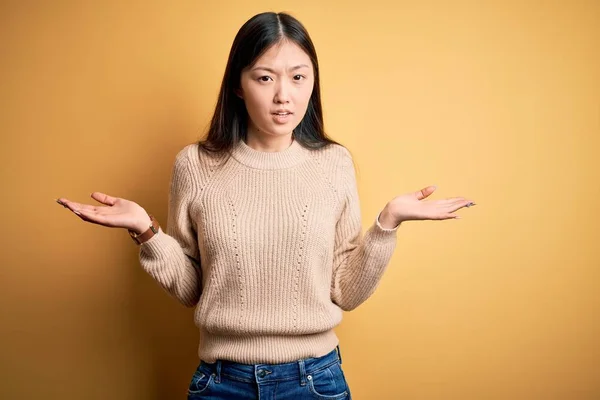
(144, 236)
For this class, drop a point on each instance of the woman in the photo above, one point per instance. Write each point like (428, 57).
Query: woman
(264, 229)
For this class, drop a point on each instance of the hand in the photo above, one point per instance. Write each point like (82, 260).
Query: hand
(118, 213)
(411, 206)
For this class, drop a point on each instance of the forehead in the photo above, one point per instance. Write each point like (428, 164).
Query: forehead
(283, 54)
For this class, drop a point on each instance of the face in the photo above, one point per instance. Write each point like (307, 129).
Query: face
(277, 89)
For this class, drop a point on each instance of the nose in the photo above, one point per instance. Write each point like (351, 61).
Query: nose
(282, 92)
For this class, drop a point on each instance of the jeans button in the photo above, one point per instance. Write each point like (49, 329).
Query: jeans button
(261, 373)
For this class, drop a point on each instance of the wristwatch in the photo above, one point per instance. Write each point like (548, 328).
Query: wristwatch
(151, 231)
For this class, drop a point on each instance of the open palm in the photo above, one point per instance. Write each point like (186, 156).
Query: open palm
(115, 212)
(411, 206)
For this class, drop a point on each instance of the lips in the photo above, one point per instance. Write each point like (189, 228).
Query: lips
(282, 112)
(282, 117)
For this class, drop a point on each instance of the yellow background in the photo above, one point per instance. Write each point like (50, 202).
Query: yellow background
(498, 101)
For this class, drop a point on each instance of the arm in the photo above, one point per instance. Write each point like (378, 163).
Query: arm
(359, 261)
(173, 258)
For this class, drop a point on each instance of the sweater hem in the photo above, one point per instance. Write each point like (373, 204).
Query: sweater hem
(265, 348)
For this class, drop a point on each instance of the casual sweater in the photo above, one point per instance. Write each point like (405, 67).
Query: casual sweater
(268, 247)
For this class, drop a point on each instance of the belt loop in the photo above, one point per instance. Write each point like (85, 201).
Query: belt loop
(218, 377)
(302, 372)
(339, 353)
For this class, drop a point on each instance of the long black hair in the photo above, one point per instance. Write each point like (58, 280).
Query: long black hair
(229, 123)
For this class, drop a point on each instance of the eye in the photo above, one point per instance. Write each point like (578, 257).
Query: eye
(262, 78)
(297, 77)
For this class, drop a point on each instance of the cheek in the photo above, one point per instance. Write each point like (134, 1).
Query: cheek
(305, 92)
(304, 97)
(256, 102)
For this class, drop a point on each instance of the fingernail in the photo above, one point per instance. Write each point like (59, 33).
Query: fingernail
(59, 202)
(77, 212)
(470, 204)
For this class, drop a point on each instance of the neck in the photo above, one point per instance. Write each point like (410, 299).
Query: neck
(290, 155)
(260, 141)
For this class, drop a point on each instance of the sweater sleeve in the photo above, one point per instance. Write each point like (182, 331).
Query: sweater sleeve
(172, 258)
(359, 261)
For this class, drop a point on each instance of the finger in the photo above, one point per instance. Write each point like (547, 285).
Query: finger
(450, 216)
(423, 193)
(62, 201)
(450, 200)
(442, 217)
(104, 198)
(83, 214)
(454, 204)
(73, 206)
(466, 203)
(66, 203)
(454, 207)
(93, 217)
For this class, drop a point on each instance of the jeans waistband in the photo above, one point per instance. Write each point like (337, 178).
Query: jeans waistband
(272, 372)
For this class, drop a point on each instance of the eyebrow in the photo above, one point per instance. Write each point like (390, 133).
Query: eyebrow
(273, 71)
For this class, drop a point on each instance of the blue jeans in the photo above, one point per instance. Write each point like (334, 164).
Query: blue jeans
(319, 378)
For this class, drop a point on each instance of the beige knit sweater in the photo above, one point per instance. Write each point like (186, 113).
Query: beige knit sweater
(268, 248)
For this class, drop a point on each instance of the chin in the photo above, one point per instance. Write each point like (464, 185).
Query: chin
(279, 131)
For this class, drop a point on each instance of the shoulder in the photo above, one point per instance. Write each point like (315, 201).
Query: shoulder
(334, 156)
(337, 165)
(195, 155)
(199, 159)
(197, 164)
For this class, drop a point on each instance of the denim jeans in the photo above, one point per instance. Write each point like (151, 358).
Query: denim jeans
(317, 378)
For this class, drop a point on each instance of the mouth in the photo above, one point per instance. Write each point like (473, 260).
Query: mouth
(282, 117)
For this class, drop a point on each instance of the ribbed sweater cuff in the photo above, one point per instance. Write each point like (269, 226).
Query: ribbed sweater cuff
(379, 233)
(158, 246)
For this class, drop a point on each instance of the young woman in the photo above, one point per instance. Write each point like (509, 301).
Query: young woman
(263, 235)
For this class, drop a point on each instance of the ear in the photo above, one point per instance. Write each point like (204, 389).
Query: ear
(239, 93)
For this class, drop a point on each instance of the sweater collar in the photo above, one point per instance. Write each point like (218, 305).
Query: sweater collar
(292, 155)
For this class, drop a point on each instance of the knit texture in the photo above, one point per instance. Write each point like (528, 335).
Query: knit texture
(268, 247)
